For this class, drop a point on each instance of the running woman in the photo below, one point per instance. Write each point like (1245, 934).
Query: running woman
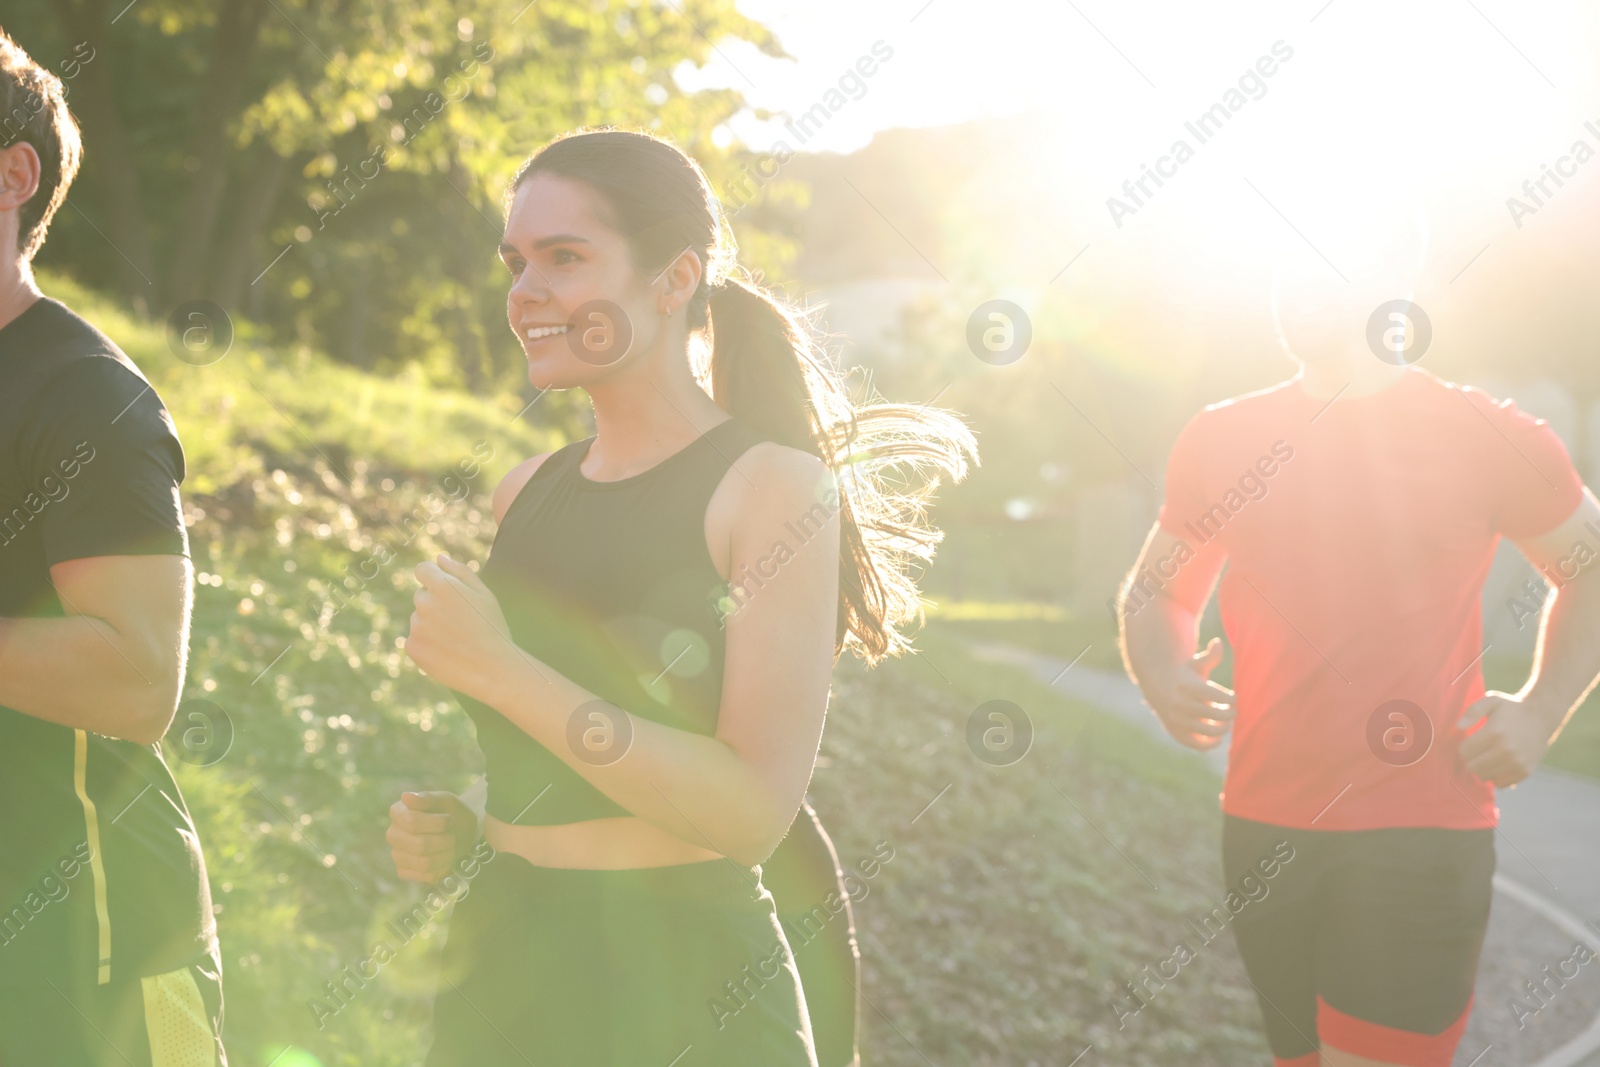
(108, 946)
(646, 654)
(1357, 508)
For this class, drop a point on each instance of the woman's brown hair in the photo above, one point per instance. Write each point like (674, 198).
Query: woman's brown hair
(767, 369)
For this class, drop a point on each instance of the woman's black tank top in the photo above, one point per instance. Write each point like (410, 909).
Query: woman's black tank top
(610, 584)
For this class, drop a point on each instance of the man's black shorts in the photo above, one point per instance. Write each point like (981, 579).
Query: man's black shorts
(165, 1020)
(1385, 926)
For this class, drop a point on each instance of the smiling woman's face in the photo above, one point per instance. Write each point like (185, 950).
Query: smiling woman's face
(561, 255)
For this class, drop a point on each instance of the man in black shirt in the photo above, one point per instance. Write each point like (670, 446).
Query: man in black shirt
(108, 947)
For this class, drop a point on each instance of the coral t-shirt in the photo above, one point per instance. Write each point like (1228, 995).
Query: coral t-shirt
(1357, 538)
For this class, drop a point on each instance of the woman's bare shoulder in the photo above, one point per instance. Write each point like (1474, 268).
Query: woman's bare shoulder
(513, 482)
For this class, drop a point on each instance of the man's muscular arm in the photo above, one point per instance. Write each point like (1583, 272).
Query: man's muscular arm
(1160, 628)
(115, 663)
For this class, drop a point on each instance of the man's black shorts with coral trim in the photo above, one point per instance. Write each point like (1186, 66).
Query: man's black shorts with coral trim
(1368, 941)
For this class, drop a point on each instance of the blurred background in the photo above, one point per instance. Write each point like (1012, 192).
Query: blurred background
(330, 176)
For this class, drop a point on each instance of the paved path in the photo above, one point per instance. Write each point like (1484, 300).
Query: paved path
(1549, 842)
(1548, 846)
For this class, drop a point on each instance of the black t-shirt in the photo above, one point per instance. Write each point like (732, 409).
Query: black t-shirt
(101, 876)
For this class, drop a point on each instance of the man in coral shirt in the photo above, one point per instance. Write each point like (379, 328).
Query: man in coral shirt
(1357, 508)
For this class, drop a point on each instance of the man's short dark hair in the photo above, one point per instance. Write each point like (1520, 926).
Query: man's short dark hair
(33, 108)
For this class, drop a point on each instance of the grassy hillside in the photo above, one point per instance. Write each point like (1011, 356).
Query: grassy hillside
(259, 404)
(1015, 905)
(1025, 895)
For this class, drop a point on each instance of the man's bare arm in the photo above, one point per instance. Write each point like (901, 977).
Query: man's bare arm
(115, 664)
(1522, 726)
(1566, 661)
(1159, 612)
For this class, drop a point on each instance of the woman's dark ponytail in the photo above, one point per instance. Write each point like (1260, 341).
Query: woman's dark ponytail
(767, 369)
(759, 361)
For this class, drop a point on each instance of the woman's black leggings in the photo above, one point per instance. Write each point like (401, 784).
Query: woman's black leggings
(800, 875)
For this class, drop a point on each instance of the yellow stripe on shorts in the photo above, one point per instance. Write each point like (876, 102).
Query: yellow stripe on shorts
(91, 822)
(176, 1020)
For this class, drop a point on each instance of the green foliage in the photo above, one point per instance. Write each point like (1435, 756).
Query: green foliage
(259, 402)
